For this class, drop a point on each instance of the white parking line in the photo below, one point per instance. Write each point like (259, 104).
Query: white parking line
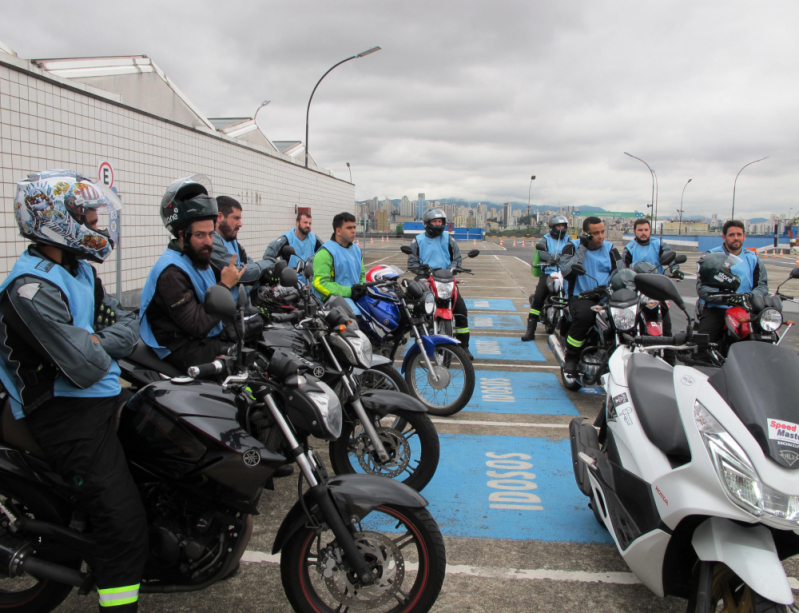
(512, 424)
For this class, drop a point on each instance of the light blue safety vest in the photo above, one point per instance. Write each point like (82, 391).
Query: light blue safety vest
(79, 291)
(597, 264)
(434, 251)
(233, 249)
(646, 253)
(555, 247)
(200, 279)
(347, 265)
(745, 271)
(304, 249)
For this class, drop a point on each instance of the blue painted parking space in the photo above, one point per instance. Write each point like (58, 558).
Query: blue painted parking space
(489, 304)
(506, 487)
(504, 348)
(531, 393)
(496, 322)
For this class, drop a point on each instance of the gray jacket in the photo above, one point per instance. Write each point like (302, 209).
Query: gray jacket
(415, 263)
(220, 258)
(276, 246)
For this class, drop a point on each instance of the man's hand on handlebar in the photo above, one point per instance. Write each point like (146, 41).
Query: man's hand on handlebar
(741, 300)
(358, 292)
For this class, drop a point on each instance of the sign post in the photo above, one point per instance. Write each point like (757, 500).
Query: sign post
(105, 174)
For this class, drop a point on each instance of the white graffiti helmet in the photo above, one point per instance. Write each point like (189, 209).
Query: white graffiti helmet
(50, 208)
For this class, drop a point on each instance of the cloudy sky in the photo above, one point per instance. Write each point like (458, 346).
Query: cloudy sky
(467, 100)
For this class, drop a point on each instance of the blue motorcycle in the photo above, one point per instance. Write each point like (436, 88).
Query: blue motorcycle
(438, 371)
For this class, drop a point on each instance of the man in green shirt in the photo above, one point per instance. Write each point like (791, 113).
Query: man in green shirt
(338, 265)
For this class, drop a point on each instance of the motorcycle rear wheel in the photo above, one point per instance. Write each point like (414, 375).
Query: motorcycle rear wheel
(457, 393)
(404, 547)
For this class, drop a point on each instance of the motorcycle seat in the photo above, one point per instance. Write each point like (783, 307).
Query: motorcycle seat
(17, 434)
(144, 355)
(651, 384)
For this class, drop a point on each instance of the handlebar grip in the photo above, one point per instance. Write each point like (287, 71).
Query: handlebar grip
(285, 317)
(206, 370)
(654, 340)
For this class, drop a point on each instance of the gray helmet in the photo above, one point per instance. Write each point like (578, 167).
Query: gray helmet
(644, 267)
(431, 230)
(187, 200)
(557, 220)
(624, 278)
(715, 270)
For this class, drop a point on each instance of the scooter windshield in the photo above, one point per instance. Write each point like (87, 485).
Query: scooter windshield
(760, 383)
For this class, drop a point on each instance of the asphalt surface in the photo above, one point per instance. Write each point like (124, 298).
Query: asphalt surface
(531, 544)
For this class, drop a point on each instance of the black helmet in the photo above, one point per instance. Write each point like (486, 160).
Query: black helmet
(714, 270)
(431, 230)
(557, 220)
(623, 279)
(187, 200)
(643, 267)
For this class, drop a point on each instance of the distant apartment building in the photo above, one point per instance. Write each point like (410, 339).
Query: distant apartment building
(406, 207)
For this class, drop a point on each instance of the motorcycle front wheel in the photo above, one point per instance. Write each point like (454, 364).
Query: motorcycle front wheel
(729, 594)
(409, 438)
(445, 327)
(383, 377)
(403, 546)
(452, 387)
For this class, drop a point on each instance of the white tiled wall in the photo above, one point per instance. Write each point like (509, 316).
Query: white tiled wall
(45, 126)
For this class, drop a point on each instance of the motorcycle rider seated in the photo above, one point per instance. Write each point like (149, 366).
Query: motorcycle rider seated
(228, 224)
(173, 320)
(600, 259)
(59, 367)
(436, 248)
(553, 243)
(338, 265)
(712, 276)
(305, 242)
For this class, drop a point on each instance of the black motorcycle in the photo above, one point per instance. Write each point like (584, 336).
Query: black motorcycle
(201, 454)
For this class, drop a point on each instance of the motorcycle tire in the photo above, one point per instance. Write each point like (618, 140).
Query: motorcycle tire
(411, 581)
(26, 594)
(729, 589)
(413, 462)
(569, 383)
(422, 389)
(391, 379)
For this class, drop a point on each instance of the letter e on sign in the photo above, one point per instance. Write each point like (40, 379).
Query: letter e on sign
(105, 173)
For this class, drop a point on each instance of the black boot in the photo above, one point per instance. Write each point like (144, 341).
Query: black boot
(571, 359)
(463, 337)
(532, 322)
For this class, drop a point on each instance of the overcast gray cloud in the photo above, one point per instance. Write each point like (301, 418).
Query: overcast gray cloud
(469, 99)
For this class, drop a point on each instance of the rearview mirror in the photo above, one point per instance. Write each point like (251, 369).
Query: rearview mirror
(681, 259)
(241, 301)
(308, 271)
(405, 249)
(287, 251)
(667, 258)
(288, 277)
(658, 287)
(279, 268)
(219, 303)
(473, 253)
(794, 273)
(578, 268)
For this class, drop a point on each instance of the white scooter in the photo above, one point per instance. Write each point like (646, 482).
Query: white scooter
(695, 471)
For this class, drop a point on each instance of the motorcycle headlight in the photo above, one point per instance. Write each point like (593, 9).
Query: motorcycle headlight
(362, 348)
(624, 318)
(444, 290)
(770, 320)
(329, 408)
(429, 303)
(738, 475)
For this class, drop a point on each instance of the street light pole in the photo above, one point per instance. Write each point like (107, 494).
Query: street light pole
(655, 208)
(263, 104)
(679, 228)
(529, 193)
(348, 168)
(732, 216)
(308, 109)
(652, 172)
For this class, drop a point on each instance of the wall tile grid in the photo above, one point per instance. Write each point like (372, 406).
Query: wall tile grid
(45, 126)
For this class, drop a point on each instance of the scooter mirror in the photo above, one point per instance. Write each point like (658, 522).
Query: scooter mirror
(794, 273)
(681, 259)
(405, 249)
(241, 301)
(287, 252)
(219, 303)
(288, 277)
(308, 271)
(578, 268)
(473, 253)
(658, 287)
(667, 258)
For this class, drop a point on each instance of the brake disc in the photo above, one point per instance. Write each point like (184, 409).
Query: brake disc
(388, 568)
(444, 377)
(398, 449)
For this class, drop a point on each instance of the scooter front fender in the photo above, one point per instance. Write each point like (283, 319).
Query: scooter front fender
(430, 343)
(356, 495)
(749, 552)
(383, 402)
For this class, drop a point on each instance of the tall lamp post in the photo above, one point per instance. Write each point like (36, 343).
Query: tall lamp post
(308, 110)
(732, 216)
(350, 169)
(263, 104)
(652, 172)
(529, 193)
(681, 211)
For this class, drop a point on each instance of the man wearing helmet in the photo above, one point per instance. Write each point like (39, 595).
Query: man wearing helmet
(724, 281)
(436, 249)
(553, 243)
(338, 268)
(173, 320)
(59, 366)
(228, 224)
(305, 242)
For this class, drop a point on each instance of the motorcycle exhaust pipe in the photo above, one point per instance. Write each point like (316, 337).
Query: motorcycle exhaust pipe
(15, 560)
(556, 346)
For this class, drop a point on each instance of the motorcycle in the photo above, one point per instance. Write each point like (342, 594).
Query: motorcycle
(439, 372)
(694, 470)
(555, 313)
(201, 454)
(651, 311)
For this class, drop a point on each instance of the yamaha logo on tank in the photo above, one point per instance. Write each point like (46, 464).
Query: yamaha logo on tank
(318, 372)
(251, 458)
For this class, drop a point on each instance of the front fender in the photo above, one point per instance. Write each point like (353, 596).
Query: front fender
(356, 495)
(384, 402)
(430, 343)
(749, 552)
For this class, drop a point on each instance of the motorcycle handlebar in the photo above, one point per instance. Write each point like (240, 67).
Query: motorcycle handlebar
(205, 370)
(286, 317)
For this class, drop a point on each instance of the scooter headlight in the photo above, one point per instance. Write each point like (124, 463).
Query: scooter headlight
(770, 320)
(329, 408)
(444, 290)
(624, 317)
(429, 303)
(362, 348)
(738, 475)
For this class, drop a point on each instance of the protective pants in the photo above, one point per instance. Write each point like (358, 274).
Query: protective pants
(712, 322)
(537, 301)
(79, 440)
(583, 319)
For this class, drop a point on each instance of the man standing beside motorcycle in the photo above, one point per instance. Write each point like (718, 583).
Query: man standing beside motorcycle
(436, 249)
(553, 243)
(715, 273)
(600, 259)
(59, 368)
(338, 268)
(305, 242)
(228, 224)
(172, 318)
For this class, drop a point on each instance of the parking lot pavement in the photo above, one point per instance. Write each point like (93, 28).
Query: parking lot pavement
(519, 535)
